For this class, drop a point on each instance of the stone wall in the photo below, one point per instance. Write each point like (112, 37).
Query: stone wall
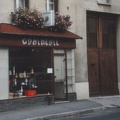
(26, 102)
(72, 97)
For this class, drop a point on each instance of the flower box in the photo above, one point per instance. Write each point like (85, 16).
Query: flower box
(33, 19)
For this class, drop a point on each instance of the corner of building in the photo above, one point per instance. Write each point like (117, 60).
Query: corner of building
(82, 90)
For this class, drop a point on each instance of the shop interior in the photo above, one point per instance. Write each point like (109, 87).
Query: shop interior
(30, 71)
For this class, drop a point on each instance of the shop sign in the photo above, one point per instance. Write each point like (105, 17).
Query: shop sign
(39, 42)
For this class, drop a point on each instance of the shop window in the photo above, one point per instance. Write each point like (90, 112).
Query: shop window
(28, 70)
(21, 4)
(52, 5)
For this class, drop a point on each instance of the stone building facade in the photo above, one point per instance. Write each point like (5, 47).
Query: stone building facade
(79, 10)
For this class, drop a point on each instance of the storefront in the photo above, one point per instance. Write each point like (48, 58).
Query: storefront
(37, 62)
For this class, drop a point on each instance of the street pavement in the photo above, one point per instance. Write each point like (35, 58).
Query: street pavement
(63, 109)
(112, 114)
(109, 101)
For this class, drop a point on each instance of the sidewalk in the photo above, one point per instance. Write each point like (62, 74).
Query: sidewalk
(108, 101)
(63, 109)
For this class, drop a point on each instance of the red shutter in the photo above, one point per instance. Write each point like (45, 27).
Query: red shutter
(56, 5)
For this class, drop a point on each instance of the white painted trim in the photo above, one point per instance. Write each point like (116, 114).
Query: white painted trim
(82, 90)
(4, 74)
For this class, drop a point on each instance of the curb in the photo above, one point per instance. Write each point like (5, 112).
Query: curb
(71, 113)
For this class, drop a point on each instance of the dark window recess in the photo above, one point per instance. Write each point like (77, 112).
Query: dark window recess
(109, 33)
(92, 32)
(56, 5)
(27, 4)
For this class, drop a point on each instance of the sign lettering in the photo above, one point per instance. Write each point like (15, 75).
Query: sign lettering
(39, 42)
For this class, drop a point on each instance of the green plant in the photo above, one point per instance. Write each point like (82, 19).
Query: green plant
(27, 18)
(62, 22)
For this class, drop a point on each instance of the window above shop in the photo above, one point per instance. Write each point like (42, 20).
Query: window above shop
(49, 5)
(52, 5)
(21, 4)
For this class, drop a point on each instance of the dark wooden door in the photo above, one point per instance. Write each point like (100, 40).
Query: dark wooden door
(93, 71)
(102, 57)
(108, 72)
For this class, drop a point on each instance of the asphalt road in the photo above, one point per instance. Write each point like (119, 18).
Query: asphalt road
(103, 115)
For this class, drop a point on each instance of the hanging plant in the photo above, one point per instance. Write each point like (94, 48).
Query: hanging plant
(62, 22)
(26, 18)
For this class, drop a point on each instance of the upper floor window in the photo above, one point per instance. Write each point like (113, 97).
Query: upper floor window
(52, 5)
(49, 5)
(21, 3)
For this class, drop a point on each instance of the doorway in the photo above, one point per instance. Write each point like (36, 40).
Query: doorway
(102, 56)
(59, 75)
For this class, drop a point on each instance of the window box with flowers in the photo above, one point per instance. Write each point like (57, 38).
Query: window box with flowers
(26, 18)
(32, 19)
(62, 22)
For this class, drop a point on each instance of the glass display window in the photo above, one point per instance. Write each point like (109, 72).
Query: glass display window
(28, 70)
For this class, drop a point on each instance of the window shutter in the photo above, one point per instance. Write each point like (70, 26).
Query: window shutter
(56, 5)
(27, 4)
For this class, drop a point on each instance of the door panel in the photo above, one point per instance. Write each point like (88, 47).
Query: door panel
(108, 72)
(59, 65)
(102, 58)
(105, 72)
(59, 72)
(93, 71)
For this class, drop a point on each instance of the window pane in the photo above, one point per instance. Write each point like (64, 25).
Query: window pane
(19, 3)
(51, 1)
(105, 26)
(112, 41)
(51, 7)
(92, 32)
(109, 33)
(49, 4)
(105, 39)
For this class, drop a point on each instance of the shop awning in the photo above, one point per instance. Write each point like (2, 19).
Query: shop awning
(12, 29)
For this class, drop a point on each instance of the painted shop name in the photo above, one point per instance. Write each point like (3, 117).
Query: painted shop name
(39, 42)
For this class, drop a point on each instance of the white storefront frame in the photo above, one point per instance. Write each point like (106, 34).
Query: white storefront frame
(61, 70)
(4, 74)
